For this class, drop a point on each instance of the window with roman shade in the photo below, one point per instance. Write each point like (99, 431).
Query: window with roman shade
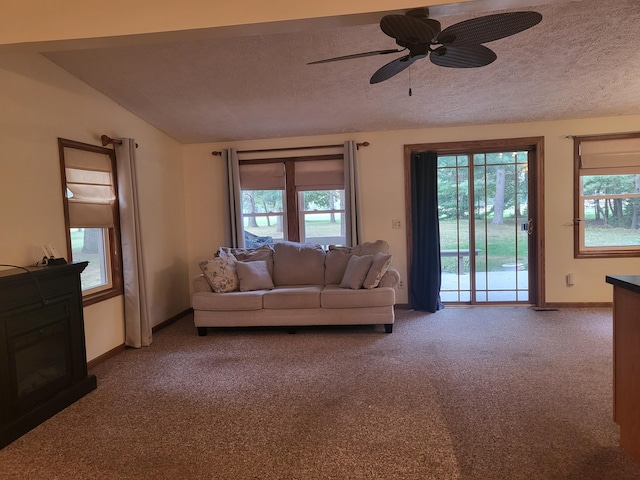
(294, 198)
(90, 200)
(90, 189)
(607, 199)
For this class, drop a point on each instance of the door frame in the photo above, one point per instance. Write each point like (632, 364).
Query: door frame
(536, 197)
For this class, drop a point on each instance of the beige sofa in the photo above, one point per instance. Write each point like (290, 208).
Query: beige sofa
(294, 284)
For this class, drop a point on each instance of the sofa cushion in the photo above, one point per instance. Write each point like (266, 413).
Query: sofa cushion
(333, 296)
(264, 252)
(370, 248)
(356, 272)
(335, 263)
(298, 264)
(292, 297)
(231, 301)
(220, 272)
(379, 266)
(254, 276)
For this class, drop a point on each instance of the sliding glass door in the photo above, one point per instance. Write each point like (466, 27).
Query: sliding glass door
(485, 228)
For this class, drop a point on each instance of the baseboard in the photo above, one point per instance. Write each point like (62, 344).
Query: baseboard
(578, 305)
(120, 348)
(548, 305)
(105, 356)
(169, 321)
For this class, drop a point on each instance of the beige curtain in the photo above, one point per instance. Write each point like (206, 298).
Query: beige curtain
(235, 198)
(136, 308)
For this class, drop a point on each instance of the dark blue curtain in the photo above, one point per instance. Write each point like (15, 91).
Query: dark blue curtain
(424, 285)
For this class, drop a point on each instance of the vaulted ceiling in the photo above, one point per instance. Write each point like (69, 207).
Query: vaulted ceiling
(582, 60)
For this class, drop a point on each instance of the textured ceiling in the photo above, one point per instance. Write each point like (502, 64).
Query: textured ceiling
(582, 60)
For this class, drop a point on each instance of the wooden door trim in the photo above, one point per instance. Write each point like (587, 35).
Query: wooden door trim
(536, 196)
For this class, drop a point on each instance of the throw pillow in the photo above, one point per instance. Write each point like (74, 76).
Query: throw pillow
(220, 272)
(379, 266)
(264, 252)
(254, 275)
(356, 271)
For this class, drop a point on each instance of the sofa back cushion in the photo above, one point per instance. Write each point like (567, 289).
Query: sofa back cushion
(298, 264)
(371, 248)
(335, 264)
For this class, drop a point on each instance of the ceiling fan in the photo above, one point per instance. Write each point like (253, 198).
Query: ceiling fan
(457, 46)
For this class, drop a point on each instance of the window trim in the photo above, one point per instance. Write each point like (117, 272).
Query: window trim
(291, 198)
(115, 248)
(579, 249)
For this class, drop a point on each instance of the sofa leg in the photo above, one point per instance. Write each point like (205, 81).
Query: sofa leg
(388, 327)
(202, 331)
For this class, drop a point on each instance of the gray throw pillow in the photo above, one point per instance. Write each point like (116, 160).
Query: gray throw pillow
(356, 271)
(254, 275)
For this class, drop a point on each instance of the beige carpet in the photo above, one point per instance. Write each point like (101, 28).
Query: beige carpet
(477, 393)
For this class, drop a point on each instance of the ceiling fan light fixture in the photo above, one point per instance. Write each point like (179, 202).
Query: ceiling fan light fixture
(457, 46)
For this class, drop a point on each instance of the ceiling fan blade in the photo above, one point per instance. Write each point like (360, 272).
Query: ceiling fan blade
(467, 56)
(488, 28)
(392, 68)
(409, 30)
(358, 55)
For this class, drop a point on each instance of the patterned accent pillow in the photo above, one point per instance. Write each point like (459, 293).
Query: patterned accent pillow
(379, 266)
(220, 272)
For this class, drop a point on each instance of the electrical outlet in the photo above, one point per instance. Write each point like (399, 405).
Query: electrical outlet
(400, 284)
(396, 223)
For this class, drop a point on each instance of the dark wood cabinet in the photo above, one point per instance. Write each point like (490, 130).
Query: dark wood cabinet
(43, 363)
(626, 360)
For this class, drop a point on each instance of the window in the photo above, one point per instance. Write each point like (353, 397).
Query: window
(299, 199)
(607, 199)
(91, 217)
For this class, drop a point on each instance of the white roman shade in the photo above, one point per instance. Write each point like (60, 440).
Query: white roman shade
(262, 176)
(597, 157)
(90, 189)
(320, 175)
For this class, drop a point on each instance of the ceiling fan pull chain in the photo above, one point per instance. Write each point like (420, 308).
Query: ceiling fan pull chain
(410, 92)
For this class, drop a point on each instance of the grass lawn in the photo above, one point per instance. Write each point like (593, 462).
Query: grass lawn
(497, 250)
(91, 276)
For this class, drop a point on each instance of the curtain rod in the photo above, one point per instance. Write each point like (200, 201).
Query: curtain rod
(603, 135)
(315, 147)
(106, 140)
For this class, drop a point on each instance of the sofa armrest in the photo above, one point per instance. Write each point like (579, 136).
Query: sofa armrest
(200, 284)
(390, 278)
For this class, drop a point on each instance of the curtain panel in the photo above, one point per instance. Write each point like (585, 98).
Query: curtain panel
(425, 273)
(235, 198)
(136, 305)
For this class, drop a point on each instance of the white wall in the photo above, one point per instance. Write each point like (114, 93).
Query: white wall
(40, 102)
(37, 21)
(383, 196)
